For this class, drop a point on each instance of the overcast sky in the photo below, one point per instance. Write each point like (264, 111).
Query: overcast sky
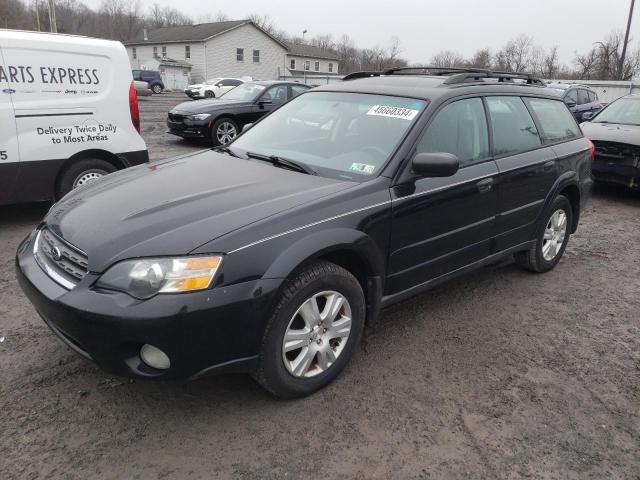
(428, 26)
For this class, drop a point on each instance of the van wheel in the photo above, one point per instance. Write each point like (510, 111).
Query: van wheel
(156, 89)
(81, 173)
(552, 239)
(209, 94)
(312, 332)
(223, 131)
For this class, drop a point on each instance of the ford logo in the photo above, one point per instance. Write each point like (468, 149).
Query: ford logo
(8, 90)
(56, 254)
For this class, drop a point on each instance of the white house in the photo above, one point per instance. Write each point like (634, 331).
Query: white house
(228, 49)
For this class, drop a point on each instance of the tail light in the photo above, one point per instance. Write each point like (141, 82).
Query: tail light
(592, 150)
(133, 107)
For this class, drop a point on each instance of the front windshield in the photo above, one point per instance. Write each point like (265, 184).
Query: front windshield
(624, 111)
(212, 81)
(247, 92)
(349, 134)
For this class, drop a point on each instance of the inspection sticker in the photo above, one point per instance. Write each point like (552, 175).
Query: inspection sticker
(362, 168)
(393, 112)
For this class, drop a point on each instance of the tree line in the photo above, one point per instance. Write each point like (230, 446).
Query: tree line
(125, 19)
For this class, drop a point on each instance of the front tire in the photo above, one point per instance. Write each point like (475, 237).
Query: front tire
(552, 238)
(156, 89)
(223, 131)
(81, 173)
(312, 332)
(209, 94)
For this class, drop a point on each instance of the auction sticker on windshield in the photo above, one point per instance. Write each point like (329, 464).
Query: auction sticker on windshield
(393, 112)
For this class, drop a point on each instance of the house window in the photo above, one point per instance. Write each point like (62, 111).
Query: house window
(187, 51)
(331, 68)
(317, 66)
(134, 53)
(307, 65)
(292, 64)
(256, 56)
(155, 52)
(240, 54)
(164, 52)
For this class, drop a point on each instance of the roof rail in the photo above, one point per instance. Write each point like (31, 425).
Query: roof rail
(354, 75)
(457, 75)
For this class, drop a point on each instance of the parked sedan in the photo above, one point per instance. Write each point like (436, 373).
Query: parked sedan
(212, 88)
(615, 132)
(579, 98)
(222, 119)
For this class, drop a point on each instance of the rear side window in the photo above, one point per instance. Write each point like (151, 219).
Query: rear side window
(298, 89)
(593, 97)
(583, 96)
(459, 128)
(513, 127)
(556, 121)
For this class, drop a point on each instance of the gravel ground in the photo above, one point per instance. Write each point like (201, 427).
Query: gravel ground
(501, 374)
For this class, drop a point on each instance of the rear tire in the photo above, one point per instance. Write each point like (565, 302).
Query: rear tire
(551, 240)
(288, 370)
(81, 173)
(156, 89)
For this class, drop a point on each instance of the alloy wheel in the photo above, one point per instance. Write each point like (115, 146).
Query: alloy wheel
(226, 132)
(317, 334)
(554, 235)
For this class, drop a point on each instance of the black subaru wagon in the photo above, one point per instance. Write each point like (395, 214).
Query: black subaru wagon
(270, 255)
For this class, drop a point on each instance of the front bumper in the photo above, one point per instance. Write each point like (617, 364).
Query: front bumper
(625, 172)
(187, 131)
(207, 332)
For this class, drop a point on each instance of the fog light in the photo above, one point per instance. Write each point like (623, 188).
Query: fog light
(154, 357)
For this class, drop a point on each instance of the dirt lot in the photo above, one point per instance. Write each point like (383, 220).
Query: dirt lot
(501, 374)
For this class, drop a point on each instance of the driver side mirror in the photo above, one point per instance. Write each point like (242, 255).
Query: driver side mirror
(439, 164)
(587, 116)
(262, 103)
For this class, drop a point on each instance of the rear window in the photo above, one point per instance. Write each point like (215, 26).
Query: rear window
(556, 121)
(513, 128)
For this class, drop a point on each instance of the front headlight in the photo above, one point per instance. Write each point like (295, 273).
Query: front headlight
(144, 278)
(199, 116)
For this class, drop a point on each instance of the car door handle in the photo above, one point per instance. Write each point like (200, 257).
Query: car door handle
(485, 185)
(548, 166)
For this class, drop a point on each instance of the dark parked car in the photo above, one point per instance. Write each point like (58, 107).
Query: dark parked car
(615, 132)
(579, 98)
(152, 77)
(271, 254)
(222, 119)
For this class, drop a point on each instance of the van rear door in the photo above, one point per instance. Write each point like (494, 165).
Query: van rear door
(9, 154)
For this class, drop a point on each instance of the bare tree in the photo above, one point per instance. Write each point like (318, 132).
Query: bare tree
(482, 59)
(447, 59)
(550, 64)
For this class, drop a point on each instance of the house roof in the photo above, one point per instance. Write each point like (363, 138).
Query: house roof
(304, 50)
(192, 33)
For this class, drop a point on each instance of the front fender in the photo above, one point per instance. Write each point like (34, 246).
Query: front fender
(323, 242)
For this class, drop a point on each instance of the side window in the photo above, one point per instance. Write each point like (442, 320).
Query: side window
(239, 54)
(297, 89)
(459, 128)
(256, 56)
(136, 74)
(512, 125)
(233, 83)
(292, 64)
(277, 94)
(555, 120)
(583, 96)
(571, 97)
(593, 97)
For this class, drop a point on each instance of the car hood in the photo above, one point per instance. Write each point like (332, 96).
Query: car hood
(197, 86)
(611, 132)
(206, 106)
(174, 206)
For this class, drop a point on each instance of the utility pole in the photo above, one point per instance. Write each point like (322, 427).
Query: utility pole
(626, 40)
(53, 27)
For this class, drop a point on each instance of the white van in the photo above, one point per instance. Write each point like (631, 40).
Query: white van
(68, 114)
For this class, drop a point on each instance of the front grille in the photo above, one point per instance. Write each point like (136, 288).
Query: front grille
(620, 153)
(176, 117)
(63, 262)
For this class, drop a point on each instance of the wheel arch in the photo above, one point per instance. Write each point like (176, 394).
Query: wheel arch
(353, 250)
(567, 184)
(109, 157)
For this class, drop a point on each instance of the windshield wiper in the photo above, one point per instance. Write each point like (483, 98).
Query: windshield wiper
(282, 162)
(226, 150)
